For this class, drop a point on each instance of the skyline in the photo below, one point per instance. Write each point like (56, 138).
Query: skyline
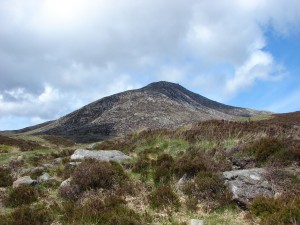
(57, 56)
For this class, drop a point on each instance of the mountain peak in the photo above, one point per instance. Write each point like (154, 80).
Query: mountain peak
(159, 105)
(160, 85)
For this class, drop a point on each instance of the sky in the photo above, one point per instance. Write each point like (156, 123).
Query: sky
(59, 55)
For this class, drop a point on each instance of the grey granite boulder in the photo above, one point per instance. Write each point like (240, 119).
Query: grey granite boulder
(26, 180)
(247, 184)
(102, 155)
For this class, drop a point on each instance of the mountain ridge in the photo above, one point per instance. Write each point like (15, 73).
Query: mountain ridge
(157, 105)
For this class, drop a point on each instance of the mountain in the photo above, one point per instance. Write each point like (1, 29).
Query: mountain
(158, 105)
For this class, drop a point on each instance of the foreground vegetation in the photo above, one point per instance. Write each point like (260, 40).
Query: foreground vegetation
(145, 190)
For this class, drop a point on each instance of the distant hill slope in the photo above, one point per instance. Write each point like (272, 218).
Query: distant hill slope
(158, 105)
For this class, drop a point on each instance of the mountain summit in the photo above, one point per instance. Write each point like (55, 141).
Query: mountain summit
(158, 105)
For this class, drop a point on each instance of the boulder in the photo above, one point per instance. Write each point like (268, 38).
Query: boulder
(26, 180)
(247, 184)
(102, 155)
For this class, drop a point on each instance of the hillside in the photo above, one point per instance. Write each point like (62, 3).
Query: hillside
(161, 105)
(223, 172)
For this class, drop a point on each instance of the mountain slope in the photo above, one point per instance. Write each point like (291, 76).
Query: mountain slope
(158, 105)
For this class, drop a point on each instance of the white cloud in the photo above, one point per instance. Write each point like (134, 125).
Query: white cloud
(84, 50)
(258, 66)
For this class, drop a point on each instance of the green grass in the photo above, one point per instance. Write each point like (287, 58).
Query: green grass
(256, 118)
(164, 144)
(7, 157)
(6, 147)
(228, 215)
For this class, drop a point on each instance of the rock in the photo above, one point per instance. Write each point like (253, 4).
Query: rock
(196, 222)
(32, 171)
(72, 164)
(65, 183)
(102, 155)
(20, 158)
(243, 163)
(45, 177)
(296, 127)
(247, 184)
(57, 161)
(26, 180)
(48, 165)
(183, 180)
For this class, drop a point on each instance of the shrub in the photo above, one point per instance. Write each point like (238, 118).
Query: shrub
(163, 197)
(163, 169)
(94, 209)
(142, 165)
(191, 163)
(22, 195)
(70, 192)
(284, 210)
(264, 148)
(27, 215)
(284, 181)
(5, 177)
(91, 174)
(209, 188)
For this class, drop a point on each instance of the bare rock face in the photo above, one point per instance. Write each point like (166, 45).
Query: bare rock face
(26, 180)
(247, 184)
(102, 155)
(160, 105)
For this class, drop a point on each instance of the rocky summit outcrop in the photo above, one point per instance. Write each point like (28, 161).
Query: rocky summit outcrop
(247, 184)
(102, 155)
(160, 105)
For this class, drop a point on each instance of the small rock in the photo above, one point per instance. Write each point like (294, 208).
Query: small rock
(20, 158)
(58, 161)
(45, 177)
(196, 222)
(65, 183)
(102, 155)
(26, 180)
(183, 180)
(74, 164)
